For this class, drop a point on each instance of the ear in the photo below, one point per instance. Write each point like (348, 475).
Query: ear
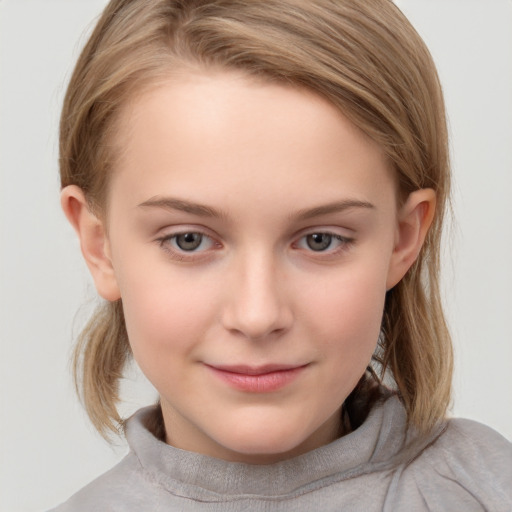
(414, 220)
(93, 241)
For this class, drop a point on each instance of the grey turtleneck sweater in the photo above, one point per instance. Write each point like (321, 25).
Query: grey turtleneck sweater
(464, 467)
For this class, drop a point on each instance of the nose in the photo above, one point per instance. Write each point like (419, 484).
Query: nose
(257, 304)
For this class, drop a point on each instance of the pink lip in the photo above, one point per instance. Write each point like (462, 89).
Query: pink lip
(260, 379)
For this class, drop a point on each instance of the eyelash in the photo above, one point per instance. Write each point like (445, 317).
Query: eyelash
(344, 243)
(166, 243)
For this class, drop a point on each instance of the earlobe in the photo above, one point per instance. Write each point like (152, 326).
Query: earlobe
(93, 241)
(414, 220)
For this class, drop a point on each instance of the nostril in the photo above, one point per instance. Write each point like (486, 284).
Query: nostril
(256, 323)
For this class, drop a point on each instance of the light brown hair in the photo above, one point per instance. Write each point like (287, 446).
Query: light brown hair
(364, 57)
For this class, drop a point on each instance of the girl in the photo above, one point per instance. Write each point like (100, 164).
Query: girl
(259, 190)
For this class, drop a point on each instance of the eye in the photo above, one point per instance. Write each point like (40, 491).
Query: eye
(188, 242)
(319, 241)
(323, 242)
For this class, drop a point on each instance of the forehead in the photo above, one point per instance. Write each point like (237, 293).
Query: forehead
(224, 131)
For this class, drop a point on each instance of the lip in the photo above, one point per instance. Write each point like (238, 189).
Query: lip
(258, 379)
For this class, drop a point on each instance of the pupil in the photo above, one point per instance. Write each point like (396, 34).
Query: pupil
(189, 241)
(319, 241)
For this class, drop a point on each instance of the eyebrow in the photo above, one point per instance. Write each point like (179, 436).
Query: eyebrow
(171, 203)
(335, 207)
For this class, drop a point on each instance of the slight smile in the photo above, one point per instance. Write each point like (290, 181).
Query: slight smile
(260, 379)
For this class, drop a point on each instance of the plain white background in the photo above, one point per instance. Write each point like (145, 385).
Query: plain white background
(48, 449)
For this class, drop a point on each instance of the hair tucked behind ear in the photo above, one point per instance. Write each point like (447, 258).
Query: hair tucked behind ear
(364, 57)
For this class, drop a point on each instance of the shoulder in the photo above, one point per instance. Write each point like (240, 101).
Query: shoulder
(469, 462)
(121, 485)
(471, 445)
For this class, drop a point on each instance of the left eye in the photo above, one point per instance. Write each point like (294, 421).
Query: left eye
(320, 242)
(188, 242)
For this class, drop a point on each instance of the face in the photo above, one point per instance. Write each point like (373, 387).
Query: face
(251, 235)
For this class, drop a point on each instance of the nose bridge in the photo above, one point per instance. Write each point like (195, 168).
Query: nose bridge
(258, 304)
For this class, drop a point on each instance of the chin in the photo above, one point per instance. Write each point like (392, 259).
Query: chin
(262, 444)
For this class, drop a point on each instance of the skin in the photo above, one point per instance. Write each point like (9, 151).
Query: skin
(270, 166)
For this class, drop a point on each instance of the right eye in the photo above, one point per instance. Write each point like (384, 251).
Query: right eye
(186, 242)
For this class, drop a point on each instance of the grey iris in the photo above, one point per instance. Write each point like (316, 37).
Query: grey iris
(189, 241)
(319, 241)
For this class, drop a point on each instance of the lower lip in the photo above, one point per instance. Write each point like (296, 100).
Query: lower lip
(263, 383)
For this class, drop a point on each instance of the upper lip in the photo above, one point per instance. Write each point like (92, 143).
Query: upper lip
(255, 370)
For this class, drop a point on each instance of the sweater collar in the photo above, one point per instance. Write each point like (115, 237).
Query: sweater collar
(370, 447)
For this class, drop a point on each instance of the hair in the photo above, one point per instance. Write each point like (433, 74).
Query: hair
(361, 55)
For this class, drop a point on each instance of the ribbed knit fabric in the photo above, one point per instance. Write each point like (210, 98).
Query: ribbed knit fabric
(464, 466)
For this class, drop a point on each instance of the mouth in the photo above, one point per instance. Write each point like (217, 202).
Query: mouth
(258, 379)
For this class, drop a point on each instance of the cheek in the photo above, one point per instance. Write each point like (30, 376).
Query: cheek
(343, 321)
(347, 314)
(165, 316)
